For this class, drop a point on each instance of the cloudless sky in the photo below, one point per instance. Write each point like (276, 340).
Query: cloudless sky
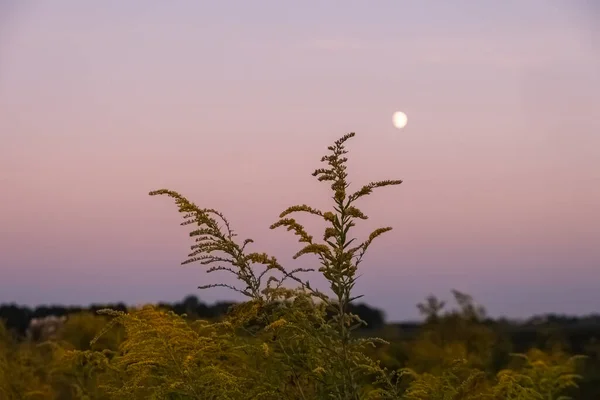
(232, 103)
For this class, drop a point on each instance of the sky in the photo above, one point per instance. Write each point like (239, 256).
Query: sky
(233, 103)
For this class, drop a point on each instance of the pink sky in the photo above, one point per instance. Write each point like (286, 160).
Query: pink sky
(233, 106)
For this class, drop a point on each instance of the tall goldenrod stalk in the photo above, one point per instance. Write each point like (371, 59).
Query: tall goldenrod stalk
(338, 257)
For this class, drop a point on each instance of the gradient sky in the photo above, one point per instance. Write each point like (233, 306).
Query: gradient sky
(232, 103)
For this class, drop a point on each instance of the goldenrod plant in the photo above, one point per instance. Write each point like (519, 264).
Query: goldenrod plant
(339, 257)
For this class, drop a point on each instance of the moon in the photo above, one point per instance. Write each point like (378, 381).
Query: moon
(399, 119)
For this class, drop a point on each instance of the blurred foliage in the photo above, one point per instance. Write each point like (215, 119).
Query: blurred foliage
(151, 352)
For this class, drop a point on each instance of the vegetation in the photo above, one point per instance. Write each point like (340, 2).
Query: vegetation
(288, 340)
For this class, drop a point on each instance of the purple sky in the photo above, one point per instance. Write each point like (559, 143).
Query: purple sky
(232, 103)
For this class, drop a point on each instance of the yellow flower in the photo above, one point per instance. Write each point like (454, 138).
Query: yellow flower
(279, 323)
(266, 350)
